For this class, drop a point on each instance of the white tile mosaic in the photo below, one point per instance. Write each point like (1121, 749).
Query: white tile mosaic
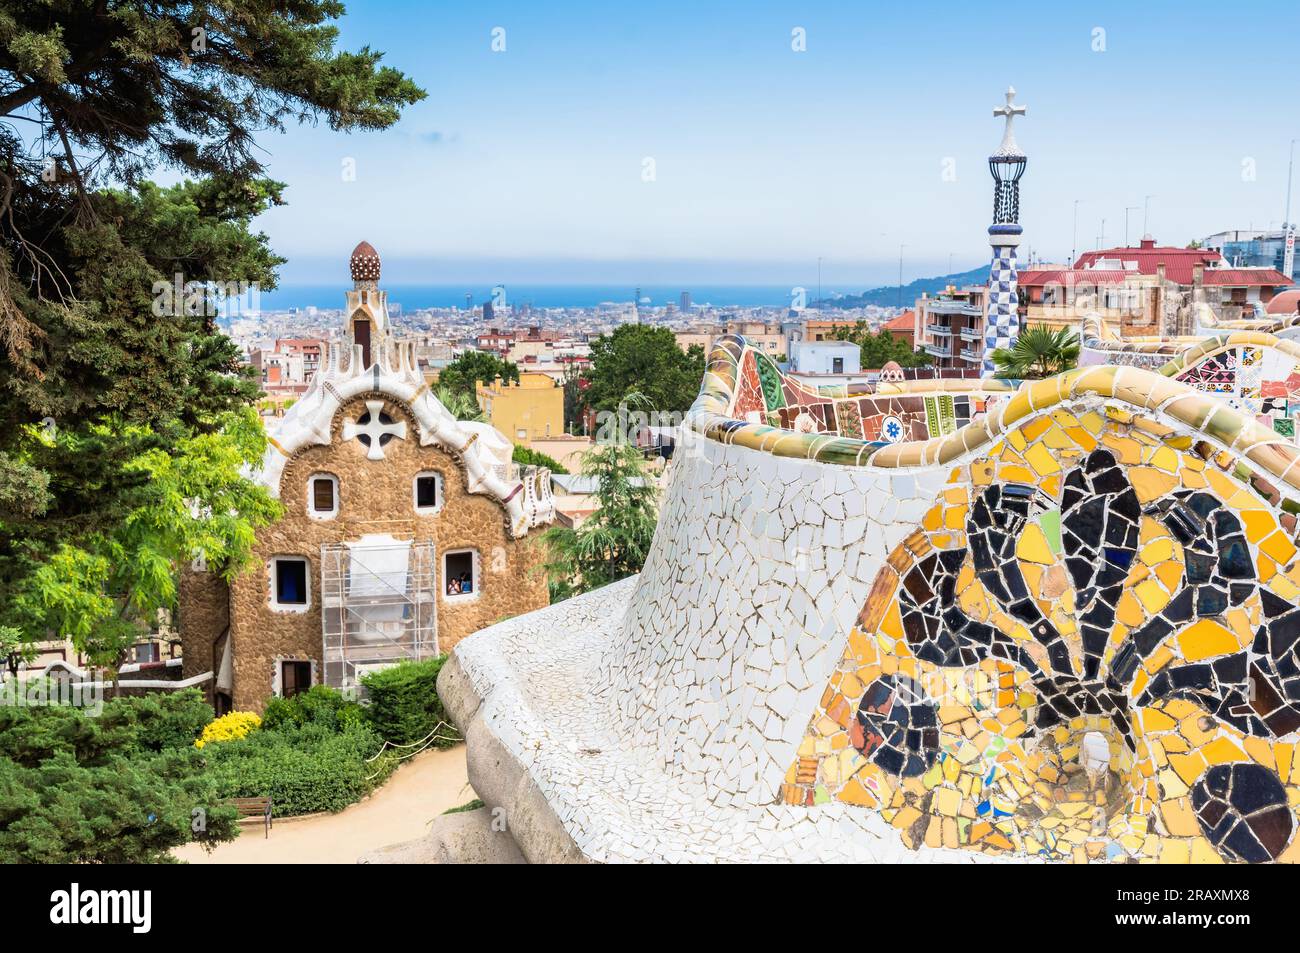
(659, 715)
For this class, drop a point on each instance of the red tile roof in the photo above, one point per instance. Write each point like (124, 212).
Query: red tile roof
(1265, 277)
(1179, 264)
(1178, 272)
(1065, 276)
(904, 322)
(1149, 256)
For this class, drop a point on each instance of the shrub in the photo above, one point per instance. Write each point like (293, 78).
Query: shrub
(229, 727)
(171, 720)
(302, 769)
(125, 811)
(319, 705)
(149, 723)
(404, 703)
(122, 787)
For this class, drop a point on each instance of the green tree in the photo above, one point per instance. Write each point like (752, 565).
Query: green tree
(880, 347)
(572, 383)
(473, 367)
(528, 457)
(190, 500)
(1039, 351)
(112, 389)
(646, 360)
(185, 84)
(613, 542)
(15, 649)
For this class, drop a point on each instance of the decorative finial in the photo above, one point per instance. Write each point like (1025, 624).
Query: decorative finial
(1010, 111)
(364, 263)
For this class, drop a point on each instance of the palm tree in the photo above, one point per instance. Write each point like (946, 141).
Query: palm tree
(1039, 351)
(460, 404)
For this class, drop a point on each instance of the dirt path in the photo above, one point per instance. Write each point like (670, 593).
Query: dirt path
(419, 791)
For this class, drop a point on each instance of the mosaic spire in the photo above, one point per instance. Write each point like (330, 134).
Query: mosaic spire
(1007, 164)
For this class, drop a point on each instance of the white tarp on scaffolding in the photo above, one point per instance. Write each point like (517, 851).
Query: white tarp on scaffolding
(378, 605)
(377, 573)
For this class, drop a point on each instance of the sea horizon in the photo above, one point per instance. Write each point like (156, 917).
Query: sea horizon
(567, 295)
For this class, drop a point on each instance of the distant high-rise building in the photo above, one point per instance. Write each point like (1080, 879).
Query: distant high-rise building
(487, 310)
(1251, 248)
(686, 301)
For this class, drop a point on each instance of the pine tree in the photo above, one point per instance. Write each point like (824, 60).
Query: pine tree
(125, 411)
(614, 541)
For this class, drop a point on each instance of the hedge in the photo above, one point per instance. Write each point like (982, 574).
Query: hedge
(302, 769)
(404, 703)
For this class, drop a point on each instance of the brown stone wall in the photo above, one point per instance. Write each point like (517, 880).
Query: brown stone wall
(374, 496)
(204, 612)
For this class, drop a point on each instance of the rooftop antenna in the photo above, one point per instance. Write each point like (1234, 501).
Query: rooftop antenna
(1290, 168)
(1131, 208)
(1074, 246)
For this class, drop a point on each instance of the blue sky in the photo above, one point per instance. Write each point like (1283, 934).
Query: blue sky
(527, 165)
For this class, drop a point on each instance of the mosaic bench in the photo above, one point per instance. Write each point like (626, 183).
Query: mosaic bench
(1064, 630)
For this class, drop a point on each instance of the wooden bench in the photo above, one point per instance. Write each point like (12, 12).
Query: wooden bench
(254, 807)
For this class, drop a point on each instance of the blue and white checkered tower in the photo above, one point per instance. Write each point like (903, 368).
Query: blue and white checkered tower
(1001, 320)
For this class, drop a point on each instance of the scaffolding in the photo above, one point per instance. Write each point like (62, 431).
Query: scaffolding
(378, 606)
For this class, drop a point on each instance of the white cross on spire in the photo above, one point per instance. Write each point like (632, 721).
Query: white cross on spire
(1010, 111)
(374, 429)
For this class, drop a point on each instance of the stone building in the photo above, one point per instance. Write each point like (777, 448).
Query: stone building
(403, 528)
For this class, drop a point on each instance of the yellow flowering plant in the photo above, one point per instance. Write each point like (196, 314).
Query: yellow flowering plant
(228, 727)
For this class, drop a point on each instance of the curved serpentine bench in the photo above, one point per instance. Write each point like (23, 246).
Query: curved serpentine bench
(1064, 631)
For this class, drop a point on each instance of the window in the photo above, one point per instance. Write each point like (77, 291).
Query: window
(460, 574)
(289, 588)
(837, 365)
(428, 492)
(295, 677)
(323, 497)
(385, 435)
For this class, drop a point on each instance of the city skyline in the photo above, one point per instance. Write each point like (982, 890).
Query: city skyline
(528, 164)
